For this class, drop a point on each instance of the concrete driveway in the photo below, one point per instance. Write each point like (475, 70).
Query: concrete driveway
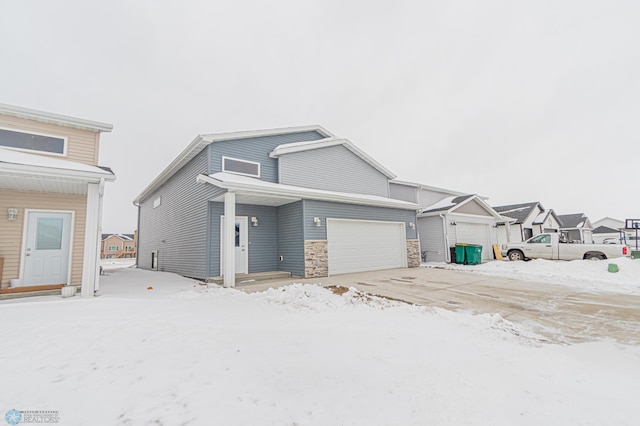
(558, 313)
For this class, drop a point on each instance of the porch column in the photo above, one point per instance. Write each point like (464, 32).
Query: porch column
(91, 241)
(229, 240)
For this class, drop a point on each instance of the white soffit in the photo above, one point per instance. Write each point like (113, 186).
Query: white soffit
(49, 117)
(17, 162)
(247, 185)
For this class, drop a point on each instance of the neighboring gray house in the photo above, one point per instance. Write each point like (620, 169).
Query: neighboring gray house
(448, 217)
(457, 219)
(303, 200)
(577, 227)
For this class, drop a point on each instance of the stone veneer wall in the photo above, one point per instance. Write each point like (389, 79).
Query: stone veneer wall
(316, 258)
(413, 253)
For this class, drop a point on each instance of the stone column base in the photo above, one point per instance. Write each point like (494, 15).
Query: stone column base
(316, 258)
(413, 253)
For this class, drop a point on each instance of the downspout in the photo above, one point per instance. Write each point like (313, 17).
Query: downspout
(99, 238)
(138, 239)
(447, 252)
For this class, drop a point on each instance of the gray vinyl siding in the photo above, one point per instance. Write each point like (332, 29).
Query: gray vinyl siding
(334, 168)
(474, 208)
(177, 228)
(291, 238)
(324, 209)
(403, 192)
(431, 234)
(263, 239)
(427, 197)
(257, 150)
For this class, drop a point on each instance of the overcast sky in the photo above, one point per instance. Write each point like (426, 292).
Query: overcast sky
(516, 101)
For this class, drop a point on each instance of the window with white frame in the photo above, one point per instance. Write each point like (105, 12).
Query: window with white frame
(26, 141)
(114, 248)
(240, 167)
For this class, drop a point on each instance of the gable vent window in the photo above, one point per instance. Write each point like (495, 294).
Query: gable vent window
(33, 142)
(241, 167)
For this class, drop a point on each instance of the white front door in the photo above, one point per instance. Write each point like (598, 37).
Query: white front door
(47, 248)
(241, 245)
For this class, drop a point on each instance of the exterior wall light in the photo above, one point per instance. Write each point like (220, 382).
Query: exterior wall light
(13, 213)
(412, 225)
(254, 221)
(453, 222)
(316, 221)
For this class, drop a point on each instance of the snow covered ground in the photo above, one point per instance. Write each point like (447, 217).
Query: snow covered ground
(157, 348)
(582, 275)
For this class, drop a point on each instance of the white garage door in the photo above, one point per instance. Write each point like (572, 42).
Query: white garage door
(357, 246)
(475, 233)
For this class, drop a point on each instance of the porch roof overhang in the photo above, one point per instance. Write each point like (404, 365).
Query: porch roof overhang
(23, 171)
(253, 191)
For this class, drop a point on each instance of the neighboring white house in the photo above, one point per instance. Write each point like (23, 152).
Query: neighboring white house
(577, 227)
(527, 220)
(607, 228)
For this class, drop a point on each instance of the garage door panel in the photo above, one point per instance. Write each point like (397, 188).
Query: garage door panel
(357, 246)
(475, 233)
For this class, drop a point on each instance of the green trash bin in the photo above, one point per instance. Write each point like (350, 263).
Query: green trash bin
(460, 254)
(474, 254)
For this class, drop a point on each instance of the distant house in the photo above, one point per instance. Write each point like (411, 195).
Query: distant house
(528, 220)
(118, 246)
(302, 201)
(608, 228)
(577, 227)
(51, 191)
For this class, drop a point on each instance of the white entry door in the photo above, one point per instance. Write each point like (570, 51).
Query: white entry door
(47, 248)
(241, 245)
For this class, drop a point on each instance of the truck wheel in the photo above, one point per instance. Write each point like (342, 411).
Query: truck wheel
(594, 256)
(515, 255)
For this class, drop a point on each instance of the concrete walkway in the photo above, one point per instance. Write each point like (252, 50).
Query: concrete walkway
(558, 313)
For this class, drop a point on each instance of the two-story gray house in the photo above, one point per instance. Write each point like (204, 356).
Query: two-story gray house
(303, 201)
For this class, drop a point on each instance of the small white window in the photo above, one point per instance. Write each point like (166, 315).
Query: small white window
(240, 167)
(157, 202)
(31, 141)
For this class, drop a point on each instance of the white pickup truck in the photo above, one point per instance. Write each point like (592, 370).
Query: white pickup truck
(552, 246)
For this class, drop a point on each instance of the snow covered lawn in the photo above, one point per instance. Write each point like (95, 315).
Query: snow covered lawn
(157, 348)
(582, 275)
